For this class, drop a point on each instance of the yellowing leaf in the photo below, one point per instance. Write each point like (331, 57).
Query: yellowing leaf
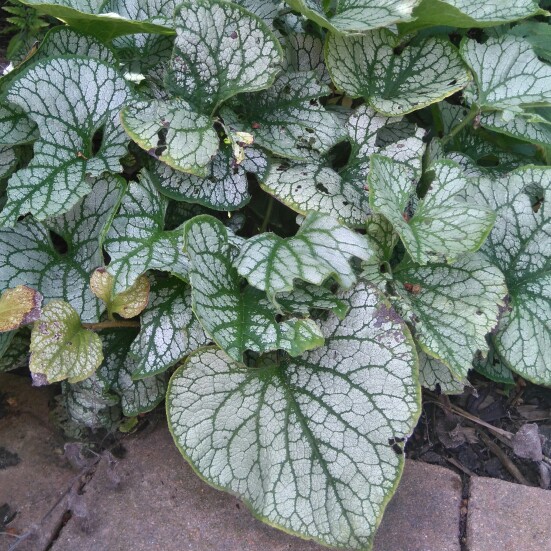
(19, 306)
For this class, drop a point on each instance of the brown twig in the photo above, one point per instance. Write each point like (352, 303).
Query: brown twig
(505, 460)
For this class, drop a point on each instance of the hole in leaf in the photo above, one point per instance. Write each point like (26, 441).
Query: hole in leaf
(60, 245)
(322, 188)
(97, 140)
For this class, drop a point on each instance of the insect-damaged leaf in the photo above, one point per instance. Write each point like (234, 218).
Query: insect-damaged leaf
(306, 443)
(137, 240)
(19, 306)
(520, 246)
(366, 66)
(28, 256)
(355, 16)
(61, 348)
(129, 303)
(67, 149)
(237, 318)
(322, 248)
(344, 194)
(444, 224)
(169, 330)
(288, 120)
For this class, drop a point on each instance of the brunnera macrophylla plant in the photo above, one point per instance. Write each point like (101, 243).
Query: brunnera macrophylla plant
(300, 211)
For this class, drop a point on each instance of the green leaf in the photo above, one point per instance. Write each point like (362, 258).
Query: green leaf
(344, 195)
(137, 241)
(519, 245)
(356, 16)
(19, 306)
(508, 74)
(116, 371)
(15, 127)
(84, 15)
(236, 318)
(229, 50)
(169, 330)
(307, 443)
(366, 66)
(435, 375)
(539, 36)
(29, 257)
(61, 348)
(444, 224)
(189, 140)
(129, 303)
(469, 13)
(64, 154)
(288, 120)
(451, 307)
(322, 248)
(225, 186)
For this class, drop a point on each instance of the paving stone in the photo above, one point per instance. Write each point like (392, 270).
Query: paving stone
(152, 500)
(508, 517)
(34, 483)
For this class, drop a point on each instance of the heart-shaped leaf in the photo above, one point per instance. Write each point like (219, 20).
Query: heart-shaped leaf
(236, 318)
(321, 249)
(520, 246)
(137, 240)
(67, 149)
(444, 224)
(508, 74)
(19, 306)
(61, 348)
(367, 66)
(169, 330)
(277, 435)
(29, 257)
(221, 50)
(356, 16)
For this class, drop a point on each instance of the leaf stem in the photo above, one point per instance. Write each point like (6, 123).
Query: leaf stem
(469, 117)
(268, 215)
(111, 324)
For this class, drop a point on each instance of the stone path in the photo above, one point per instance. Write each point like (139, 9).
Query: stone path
(151, 500)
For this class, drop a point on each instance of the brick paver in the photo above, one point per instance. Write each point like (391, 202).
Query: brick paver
(508, 517)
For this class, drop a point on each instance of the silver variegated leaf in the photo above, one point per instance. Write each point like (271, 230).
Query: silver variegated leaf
(306, 443)
(224, 187)
(169, 330)
(15, 126)
(451, 307)
(356, 16)
(508, 74)
(14, 349)
(188, 141)
(288, 120)
(322, 248)
(305, 298)
(444, 224)
(228, 50)
(520, 246)
(137, 240)
(304, 53)
(236, 318)
(8, 160)
(366, 66)
(28, 256)
(435, 375)
(64, 155)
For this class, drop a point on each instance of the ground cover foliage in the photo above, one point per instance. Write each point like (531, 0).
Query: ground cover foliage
(285, 218)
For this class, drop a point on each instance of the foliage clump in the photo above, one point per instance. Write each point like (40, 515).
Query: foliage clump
(301, 212)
